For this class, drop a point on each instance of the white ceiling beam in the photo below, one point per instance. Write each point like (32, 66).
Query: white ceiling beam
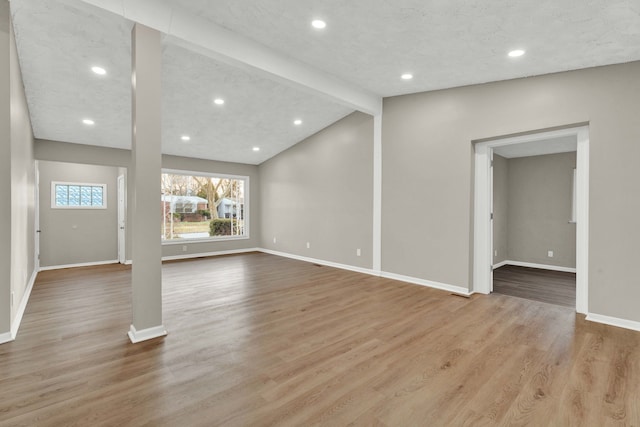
(204, 37)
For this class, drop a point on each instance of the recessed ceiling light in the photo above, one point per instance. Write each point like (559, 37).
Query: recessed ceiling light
(256, 148)
(406, 76)
(88, 122)
(99, 70)
(218, 101)
(185, 138)
(297, 122)
(516, 53)
(318, 23)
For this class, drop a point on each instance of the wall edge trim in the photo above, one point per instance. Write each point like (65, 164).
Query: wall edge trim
(82, 264)
(535, 265)
(15, 326)
(137, 336)
(321, 262)
(428, 283)
(614, 321)
(5, 337)
(206, 254)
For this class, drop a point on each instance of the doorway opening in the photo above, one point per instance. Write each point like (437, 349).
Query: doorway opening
(532, 145)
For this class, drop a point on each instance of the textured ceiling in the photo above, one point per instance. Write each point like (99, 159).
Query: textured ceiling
(57, 46)
(367, 43)
(257, 112)
(444, 43)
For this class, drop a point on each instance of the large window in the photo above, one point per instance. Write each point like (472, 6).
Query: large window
(70, 195)
(197, 207)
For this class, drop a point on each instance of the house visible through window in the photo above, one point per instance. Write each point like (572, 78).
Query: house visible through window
(197, 207)
(69, 195)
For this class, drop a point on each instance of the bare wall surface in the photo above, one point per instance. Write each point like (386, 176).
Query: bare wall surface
(427, 186)
(540, 194)
(74, 236)
(321, 191)
(22, 186)
(5, 169)
(500, 208)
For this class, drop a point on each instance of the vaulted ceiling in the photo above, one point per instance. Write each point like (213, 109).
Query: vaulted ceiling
(272, 67)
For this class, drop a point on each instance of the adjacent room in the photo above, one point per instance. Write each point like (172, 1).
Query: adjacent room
(329, 213)
(534, 220)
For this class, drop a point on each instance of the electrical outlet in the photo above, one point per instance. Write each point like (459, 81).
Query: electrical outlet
(308, 245)
(274, 240)
(495, 253)
(550, 254)
(358, 252)
(12, 297)
(184, 248)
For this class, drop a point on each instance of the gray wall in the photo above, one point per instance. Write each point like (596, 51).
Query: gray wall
(500, 208)
(428, 169)
(62, 151)
(5, 169)
(540, 193)
(22, 186)
(321, 191)
(17, 170)
(74, 236)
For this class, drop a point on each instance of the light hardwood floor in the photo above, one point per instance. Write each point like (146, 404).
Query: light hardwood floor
(258, 340)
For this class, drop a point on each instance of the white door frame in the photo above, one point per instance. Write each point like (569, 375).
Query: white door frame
(36, 220)
(483, 239)
(122, 215)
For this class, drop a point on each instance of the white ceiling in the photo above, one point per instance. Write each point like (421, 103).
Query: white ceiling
(562, 144)
(363, 51)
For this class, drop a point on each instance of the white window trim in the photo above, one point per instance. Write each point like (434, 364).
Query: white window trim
(247, 208)
(85, 184)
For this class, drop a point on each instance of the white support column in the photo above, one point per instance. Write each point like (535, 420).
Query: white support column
(377, 192)
(146, 274)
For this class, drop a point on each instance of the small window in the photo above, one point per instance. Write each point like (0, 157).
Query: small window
(71, 195)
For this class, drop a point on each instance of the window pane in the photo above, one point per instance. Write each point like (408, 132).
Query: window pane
(96, 196)
(201, 207)
(74, 195)
(62, 194)
(85, 196)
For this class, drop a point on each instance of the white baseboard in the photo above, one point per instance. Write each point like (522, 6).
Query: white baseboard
(82, 264)
(321, 262)
(128, 262)
(207, 254)
(146, 334)
(23, 305)
(429, 283)
(500, 264)
(6, 337)
(408, 279)
(614, 321)
(534, 265)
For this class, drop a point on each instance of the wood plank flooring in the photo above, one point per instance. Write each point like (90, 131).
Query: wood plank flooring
(553, 287)
(259, 340)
